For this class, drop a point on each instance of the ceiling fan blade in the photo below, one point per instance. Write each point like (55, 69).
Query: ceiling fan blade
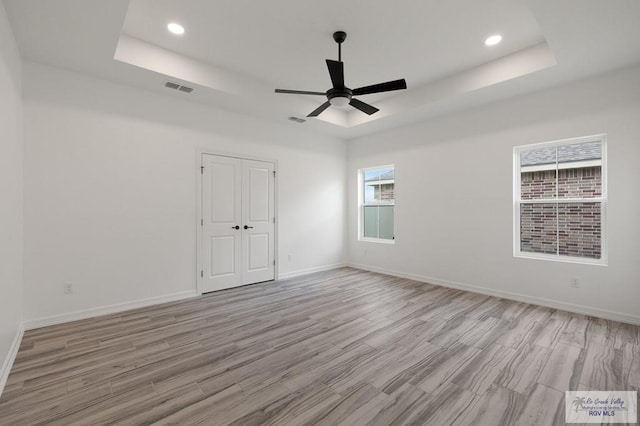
(381, 87)
(362, 106)
(300, 92)
(316, 112)
(336, 71)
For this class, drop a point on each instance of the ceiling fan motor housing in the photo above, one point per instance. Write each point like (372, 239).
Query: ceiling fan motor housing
(343, 92)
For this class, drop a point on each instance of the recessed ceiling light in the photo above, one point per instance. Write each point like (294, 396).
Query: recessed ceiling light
(175, 28)
(493, 40)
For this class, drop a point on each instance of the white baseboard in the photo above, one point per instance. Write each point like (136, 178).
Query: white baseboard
(300, 272)
(11, 356)
(105, 310)
(534, 300)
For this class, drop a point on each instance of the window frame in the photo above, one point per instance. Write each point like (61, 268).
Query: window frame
(362, 205)
(603, 199)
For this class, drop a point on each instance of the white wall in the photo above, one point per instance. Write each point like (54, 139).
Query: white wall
(454, 196)
(110, 190)
(11, 186)
(110, 200)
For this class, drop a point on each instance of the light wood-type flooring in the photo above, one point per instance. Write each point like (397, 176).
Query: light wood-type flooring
(338, 347)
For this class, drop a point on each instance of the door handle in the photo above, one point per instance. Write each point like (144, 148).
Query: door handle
(235, 227)
(247, 227)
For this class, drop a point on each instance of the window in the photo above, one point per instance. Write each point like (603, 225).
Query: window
(560, 200)
(377, 203)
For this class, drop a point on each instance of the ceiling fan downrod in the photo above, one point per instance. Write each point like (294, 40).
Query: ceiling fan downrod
(339, 37)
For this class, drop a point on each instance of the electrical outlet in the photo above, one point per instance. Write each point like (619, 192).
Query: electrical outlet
(289, 257)
(364, 253)
(574, 282)
(68, 288)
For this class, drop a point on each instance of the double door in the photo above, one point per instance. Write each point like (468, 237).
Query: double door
(238, 222)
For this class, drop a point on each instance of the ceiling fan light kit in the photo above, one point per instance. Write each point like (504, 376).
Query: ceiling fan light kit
(340, 95)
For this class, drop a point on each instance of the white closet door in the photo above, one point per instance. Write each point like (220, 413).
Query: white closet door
(238, 230)
(258, 249)
(222, 213)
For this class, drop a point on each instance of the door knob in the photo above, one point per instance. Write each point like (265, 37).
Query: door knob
(247, 227)
(235, 227)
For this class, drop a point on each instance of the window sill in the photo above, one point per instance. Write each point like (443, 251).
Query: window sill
(564, 259)
(377, 240)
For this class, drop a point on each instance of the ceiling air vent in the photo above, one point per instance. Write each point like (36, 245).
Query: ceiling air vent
(297, 120)
(179, 87)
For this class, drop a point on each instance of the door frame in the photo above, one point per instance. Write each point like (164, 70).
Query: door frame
(199, 218)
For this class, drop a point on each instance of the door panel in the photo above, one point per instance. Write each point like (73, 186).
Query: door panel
(222, 212)
(222, 252)
(223, 193)
(258, 194)
(258, 213)
(237, 192)
(258, 252)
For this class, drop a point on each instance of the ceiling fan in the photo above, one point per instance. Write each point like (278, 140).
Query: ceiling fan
(339, 94)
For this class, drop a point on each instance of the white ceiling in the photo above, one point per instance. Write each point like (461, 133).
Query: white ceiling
(236, 53)
(284, 43)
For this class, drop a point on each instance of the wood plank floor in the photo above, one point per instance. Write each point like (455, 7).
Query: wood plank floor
(338, 347)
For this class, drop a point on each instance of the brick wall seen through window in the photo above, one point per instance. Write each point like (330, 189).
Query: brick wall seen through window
(560, 198)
